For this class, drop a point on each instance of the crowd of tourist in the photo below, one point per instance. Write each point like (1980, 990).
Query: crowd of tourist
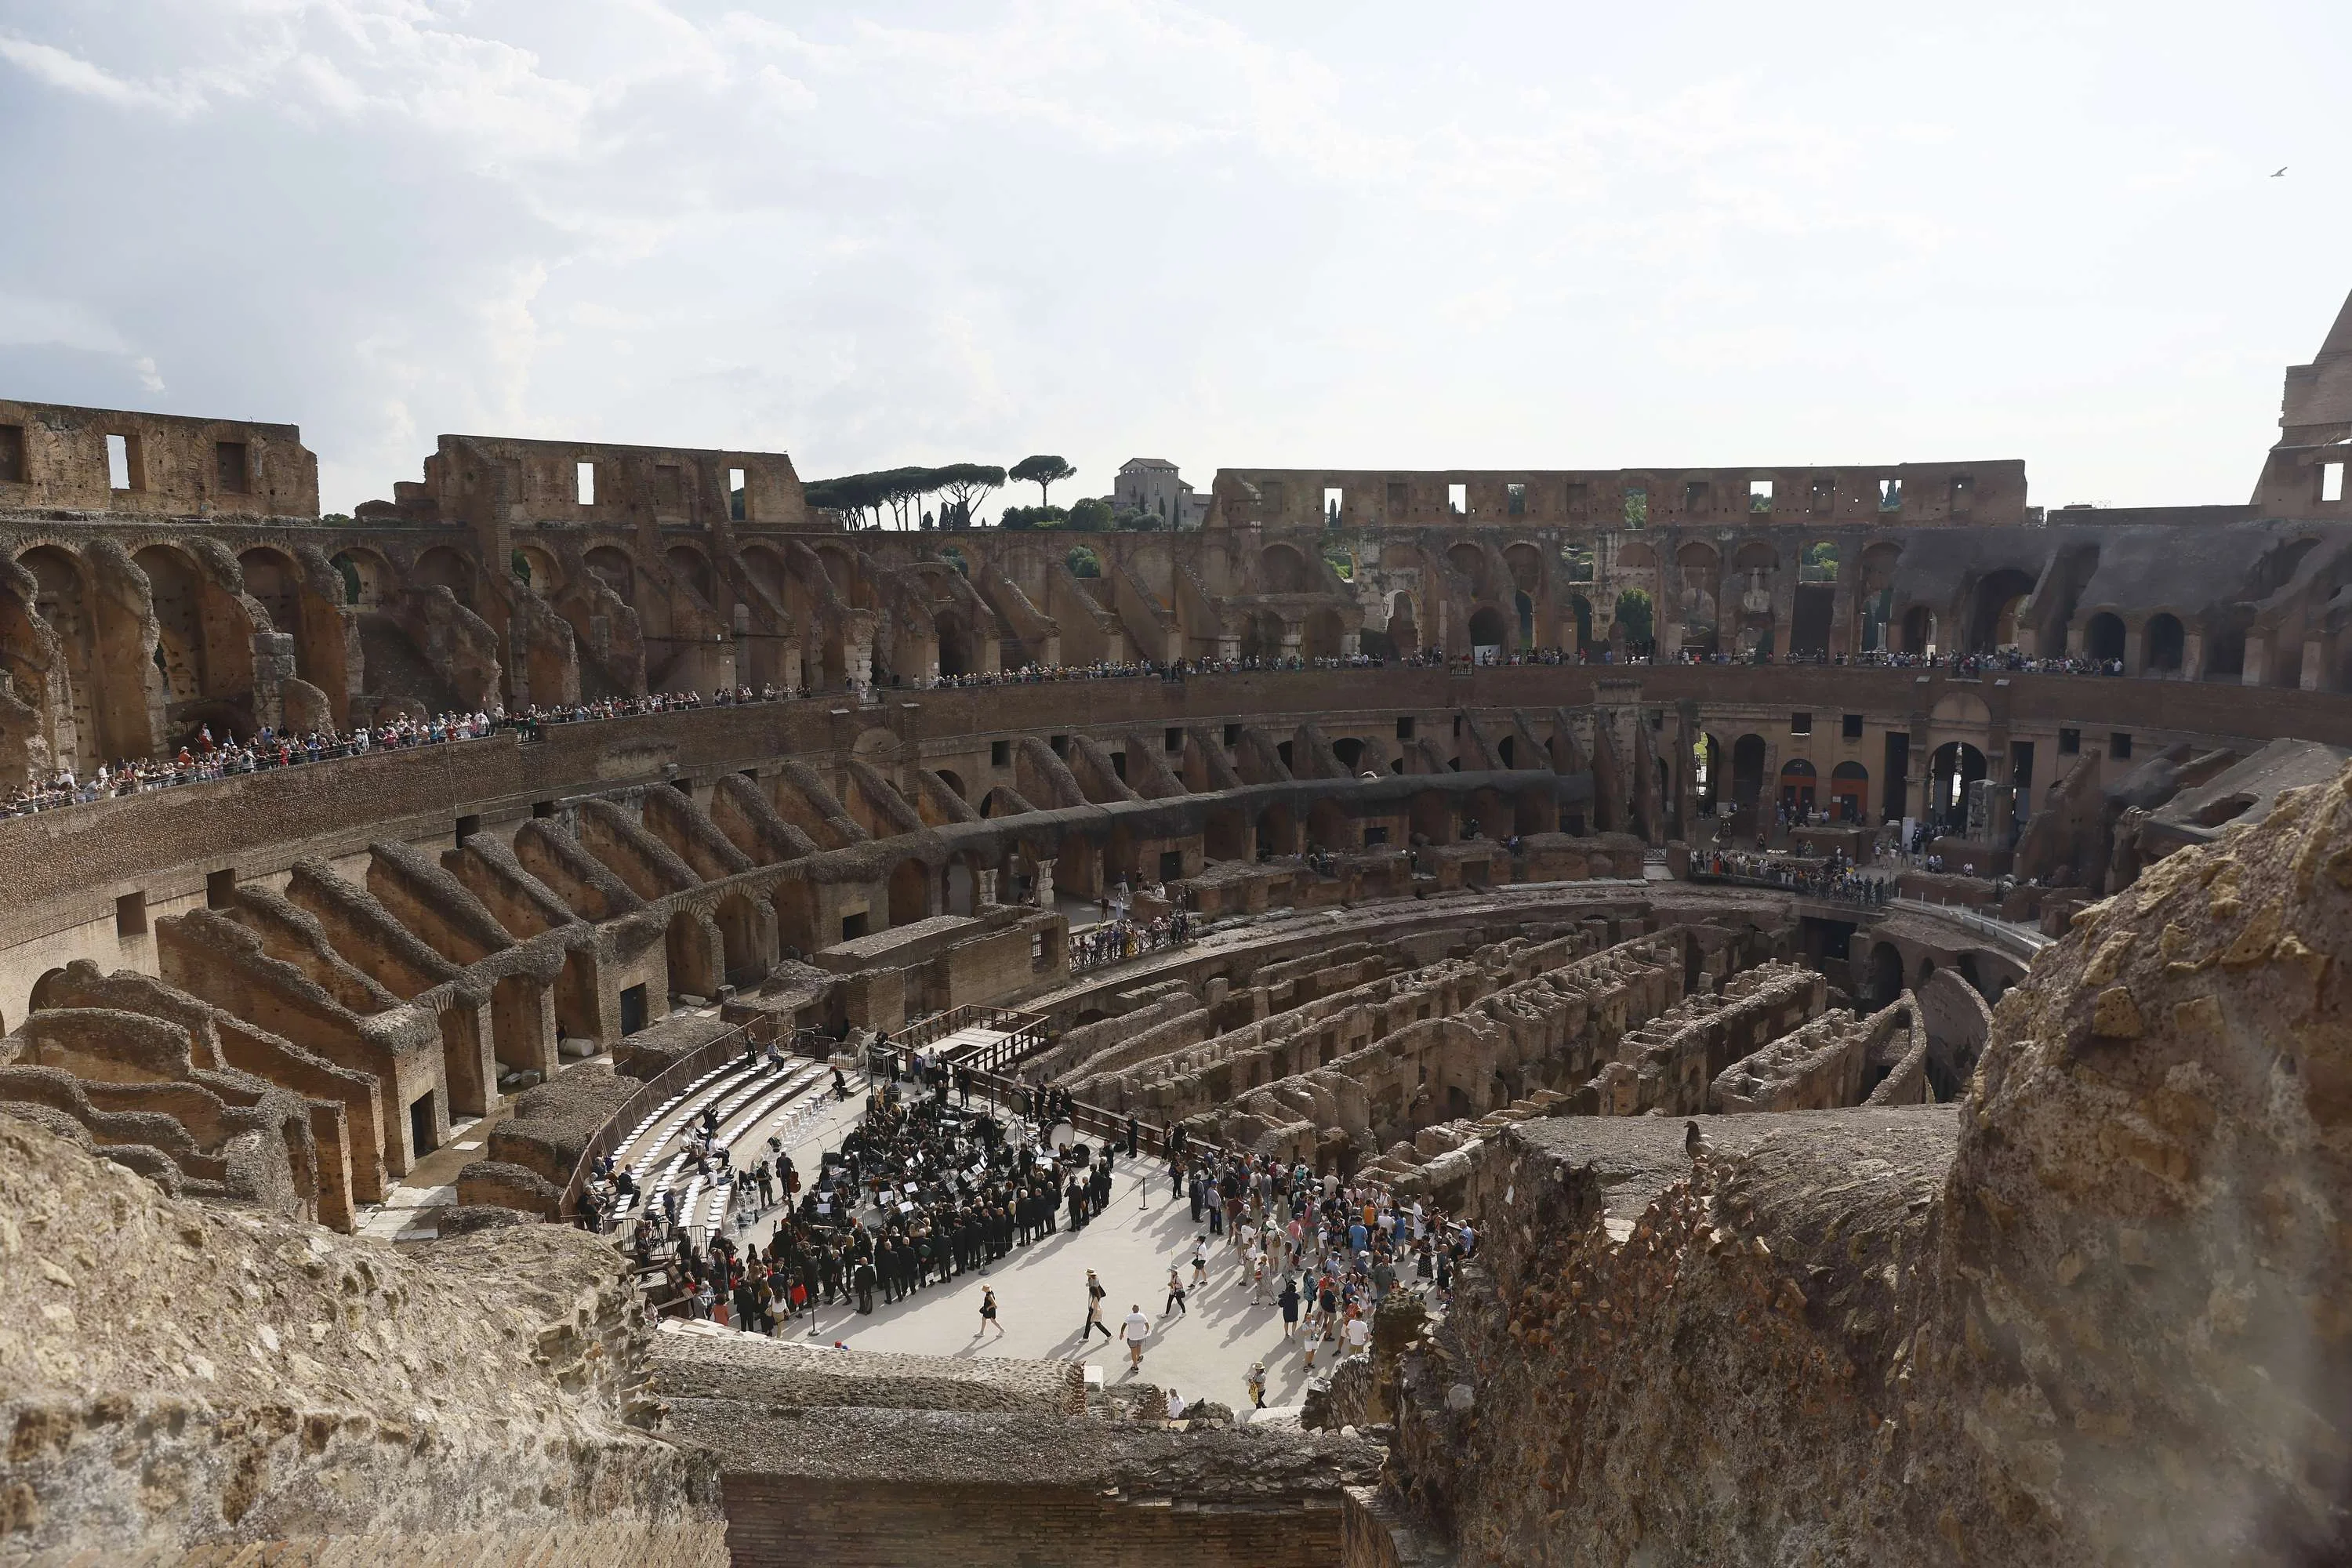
(1119, 939)
(920, 1193)
(1324, 1251)
(1828, 879)
(205, 756)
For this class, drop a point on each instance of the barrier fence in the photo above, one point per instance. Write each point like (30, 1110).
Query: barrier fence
(665, 1085)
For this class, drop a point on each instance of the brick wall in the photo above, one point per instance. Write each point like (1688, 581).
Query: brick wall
(786, 1520)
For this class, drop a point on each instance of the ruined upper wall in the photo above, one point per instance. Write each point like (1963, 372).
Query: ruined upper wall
(493, 480)
(56, 456)
(1991, 494)
(2315, 434)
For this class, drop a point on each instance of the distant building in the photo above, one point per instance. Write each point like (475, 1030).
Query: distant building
(1152, 485)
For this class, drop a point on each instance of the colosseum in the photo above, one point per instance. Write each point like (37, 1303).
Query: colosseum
(1769, 1015)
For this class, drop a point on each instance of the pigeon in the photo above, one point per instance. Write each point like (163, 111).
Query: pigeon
(1695, 1143)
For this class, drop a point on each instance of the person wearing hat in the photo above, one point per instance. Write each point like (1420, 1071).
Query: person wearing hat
(1256, 1384)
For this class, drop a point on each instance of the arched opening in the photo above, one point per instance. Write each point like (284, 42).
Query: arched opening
(443, 567)
(1919, 630)
(1278, 831)
(1329, 826)
(688, 567)
(2225, 655)
(956, 655)
(1322, 637)
(1747, 770)
(2103, 635)
(2166, 640)
(1636, 618)
(1404, 634)
(1526, 609)
(910, 892)
(1581, 608)
(954, 781)
(1432, 818)
(1707, 773)
(615, 570)
(1955, 766)
(45, 990)
(1797, 784)
(272, 581)
(1535, 811)
(1281, 570)
(1349, 750)
(1849, 792)
(795, 907)
(689, 949)
(1471, 562)
(1262, 635)
(1994, 607)
(739, 936)
(1487, 631)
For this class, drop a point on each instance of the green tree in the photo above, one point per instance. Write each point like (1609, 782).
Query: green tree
(965, 485)
(1083, 562)
(1020, 517)
(1044, 471)
(1092, 515)
(1635, 615)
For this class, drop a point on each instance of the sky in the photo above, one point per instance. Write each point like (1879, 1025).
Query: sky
(1288, 232)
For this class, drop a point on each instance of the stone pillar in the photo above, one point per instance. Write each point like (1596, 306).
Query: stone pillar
(1045, 895)
(983, 887)
(273, 665)
(2315, 664)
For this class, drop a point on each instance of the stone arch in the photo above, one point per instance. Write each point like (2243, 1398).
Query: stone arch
(2103, 635)
(1470, 561)
(45, 990)
(1404, 624)
(1281, 570)
(204, 636)
(2166, 641)
(1323, 635)
(368, 578)
(443, 567)
(1525, 565)
(1849, 792)
(274, 582)
(1262, 635)
(742, 944)
(687, 946)
(1747, 770)
(691, 568)
(1488, 628)
(612, 563)
(1580, 610)
(539, 570)
(1277, 830)
(1919, 629)
(1886, 973)
(1955, 765)
(958, 649)
(1799, 787)
(1994, 606)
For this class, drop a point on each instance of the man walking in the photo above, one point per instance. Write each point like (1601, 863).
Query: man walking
(1137, 1329)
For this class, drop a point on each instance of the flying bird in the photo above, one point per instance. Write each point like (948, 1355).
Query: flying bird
(2282, 169)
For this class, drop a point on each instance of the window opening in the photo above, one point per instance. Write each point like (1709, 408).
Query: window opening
(584, 483)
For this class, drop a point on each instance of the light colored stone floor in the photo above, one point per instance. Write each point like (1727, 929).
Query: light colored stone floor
(1040, 1302)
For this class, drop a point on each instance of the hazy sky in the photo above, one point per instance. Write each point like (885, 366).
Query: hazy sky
(1290, 232)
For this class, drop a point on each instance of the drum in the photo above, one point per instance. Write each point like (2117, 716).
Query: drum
(1063, 1135)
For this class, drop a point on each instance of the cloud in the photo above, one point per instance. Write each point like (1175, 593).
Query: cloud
(1326, 233)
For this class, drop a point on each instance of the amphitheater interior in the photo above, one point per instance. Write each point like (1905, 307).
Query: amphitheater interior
(1961, 1179)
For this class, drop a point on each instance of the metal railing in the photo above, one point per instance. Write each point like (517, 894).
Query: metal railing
(665, 1085)
(1025, 1034)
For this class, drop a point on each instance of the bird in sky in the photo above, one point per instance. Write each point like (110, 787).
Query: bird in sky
(2282, 169)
